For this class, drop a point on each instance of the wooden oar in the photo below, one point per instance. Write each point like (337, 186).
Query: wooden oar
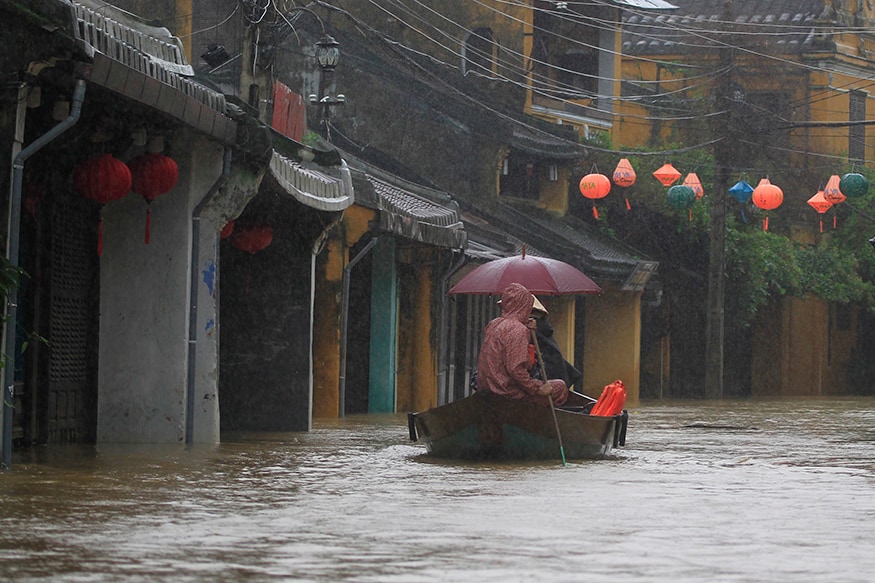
(549, 397)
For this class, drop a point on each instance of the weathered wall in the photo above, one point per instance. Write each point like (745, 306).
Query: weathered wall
(612, 343)
(144, 307)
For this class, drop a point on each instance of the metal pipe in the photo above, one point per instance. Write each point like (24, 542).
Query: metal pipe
(192, 305)
(344, 319)
(12, 250)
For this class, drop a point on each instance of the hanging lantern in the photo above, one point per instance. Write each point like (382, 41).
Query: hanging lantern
(692, 180)
(252, 238)
(681, 197)
(624, 177)
(768, 197)
(595, 186)
(832, 191)
(227, 230)
(102, 179)
(667, 174)
(741, 191)
(624, 174)
(153, 174)
(853, 185)
(820, 204)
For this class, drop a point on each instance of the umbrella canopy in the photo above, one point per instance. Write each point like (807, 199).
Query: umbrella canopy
(540, 275)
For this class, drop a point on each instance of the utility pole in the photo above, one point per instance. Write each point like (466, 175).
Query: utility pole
(724, 156)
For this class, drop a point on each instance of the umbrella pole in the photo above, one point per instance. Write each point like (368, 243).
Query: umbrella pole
(549, 397)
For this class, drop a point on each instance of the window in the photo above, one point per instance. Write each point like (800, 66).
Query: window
(478, 53)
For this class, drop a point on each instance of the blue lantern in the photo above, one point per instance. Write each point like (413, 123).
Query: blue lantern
(741, 191)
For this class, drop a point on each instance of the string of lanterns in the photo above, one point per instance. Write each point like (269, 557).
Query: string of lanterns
(105, 179)
(682, 196)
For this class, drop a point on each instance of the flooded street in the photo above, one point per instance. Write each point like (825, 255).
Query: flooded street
(730, 491)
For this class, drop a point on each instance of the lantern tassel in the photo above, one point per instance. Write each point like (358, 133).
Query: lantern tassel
(834, 220)
(595, 212)
(766, 223)
(148, 224)
(743, 218)
(821, 224)
(628, 206)
(691, 215)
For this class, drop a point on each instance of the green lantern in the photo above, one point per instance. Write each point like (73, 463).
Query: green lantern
(681, 197)
(853, 185)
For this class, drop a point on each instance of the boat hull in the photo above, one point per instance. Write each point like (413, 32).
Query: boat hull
(487, 426)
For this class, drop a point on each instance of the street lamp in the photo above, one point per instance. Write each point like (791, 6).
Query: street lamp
(327, 57)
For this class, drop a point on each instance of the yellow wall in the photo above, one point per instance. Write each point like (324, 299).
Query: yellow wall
(800, 349)
(327, 310)
(612, 343)
(417, 349)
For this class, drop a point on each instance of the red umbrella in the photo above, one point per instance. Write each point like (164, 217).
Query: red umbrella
(539, 275)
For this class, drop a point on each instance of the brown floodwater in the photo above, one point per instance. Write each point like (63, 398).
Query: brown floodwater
(703, 491)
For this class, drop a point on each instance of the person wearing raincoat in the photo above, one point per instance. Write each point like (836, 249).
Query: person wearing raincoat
(504, 361)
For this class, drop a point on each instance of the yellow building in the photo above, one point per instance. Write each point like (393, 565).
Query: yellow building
(795, 77)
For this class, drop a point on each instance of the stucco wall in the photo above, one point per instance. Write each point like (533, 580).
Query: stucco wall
(612, 340)
(144, 298)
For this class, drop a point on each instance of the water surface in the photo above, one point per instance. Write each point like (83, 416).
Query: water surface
(703, 491)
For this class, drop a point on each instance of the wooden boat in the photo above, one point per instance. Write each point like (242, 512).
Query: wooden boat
(487, 426)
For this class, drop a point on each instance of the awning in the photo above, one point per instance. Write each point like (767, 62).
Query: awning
(148, 65)
(311, 187)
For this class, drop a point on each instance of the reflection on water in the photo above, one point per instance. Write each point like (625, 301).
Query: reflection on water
(703, 491)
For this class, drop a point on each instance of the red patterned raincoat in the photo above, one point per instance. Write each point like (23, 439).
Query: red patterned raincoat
(504, 361)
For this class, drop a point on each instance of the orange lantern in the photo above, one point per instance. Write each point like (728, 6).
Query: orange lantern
(624, 176)
(833, 193)
(692, 180)
(767, 196)
(667, 174)
(820, 204)
(595, 186)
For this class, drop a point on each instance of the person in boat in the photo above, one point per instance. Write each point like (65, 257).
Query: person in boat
(555, 364)
(504, 361)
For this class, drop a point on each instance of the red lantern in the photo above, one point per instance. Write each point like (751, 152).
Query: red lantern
(692, 180)
(595, 186)
(227, 229)
(252, 238)
(767, 196)
(820, 204)
(102, 179)
(153, 174)
(667, 174)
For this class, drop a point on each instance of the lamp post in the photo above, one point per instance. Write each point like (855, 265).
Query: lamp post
(327, 57)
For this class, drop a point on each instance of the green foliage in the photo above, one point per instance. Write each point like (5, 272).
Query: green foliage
(759, 265)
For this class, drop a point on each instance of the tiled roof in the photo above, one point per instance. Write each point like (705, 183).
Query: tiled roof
(147, 64)
(310, 186)
(786, 26)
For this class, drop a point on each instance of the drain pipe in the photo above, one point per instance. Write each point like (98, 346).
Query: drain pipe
(443, 384)
(12, 250)
(344, 319)
(192, 306)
